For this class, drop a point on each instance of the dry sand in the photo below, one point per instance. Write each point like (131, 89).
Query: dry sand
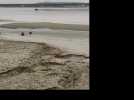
(29, 65)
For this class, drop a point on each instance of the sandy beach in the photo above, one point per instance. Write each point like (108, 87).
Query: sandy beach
(54, 57)
(29, 65)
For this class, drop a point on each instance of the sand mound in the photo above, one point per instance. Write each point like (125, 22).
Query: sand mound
(26, 65)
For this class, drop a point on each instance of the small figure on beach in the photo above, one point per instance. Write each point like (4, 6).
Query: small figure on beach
(22, 34)
(36, 9)
(30, 33)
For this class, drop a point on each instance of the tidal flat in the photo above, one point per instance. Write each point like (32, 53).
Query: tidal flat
(49, 25)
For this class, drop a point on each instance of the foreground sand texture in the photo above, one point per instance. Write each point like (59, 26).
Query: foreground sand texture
(28, 65)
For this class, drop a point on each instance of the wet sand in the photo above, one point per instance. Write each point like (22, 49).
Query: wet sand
(30, 65)
(72, 41)
(35, 25)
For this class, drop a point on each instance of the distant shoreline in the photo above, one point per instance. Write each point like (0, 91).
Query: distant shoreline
(47, 5)
(5, 20)
(35, 25)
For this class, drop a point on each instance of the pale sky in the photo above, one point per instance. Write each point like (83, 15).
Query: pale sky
(34, 1)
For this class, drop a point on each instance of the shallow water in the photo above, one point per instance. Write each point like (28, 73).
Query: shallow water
(48, 32)
(73, 41)
(62, 15)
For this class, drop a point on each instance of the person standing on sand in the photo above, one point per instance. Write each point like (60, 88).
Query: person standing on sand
(30, 33)
(22, 34)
